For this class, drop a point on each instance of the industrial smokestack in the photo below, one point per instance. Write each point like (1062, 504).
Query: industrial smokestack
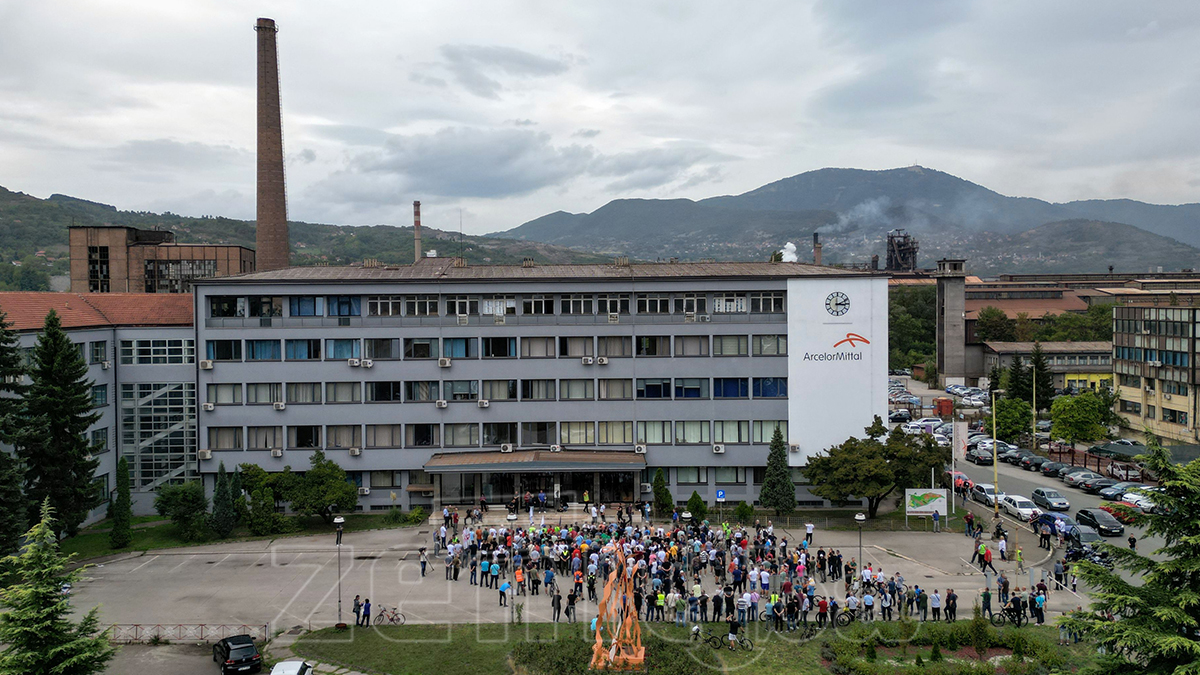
(271, 227)
(416, 231)
(816, 248)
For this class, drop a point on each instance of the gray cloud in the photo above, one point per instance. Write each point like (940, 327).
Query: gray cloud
(163, 153)
(471, 65)
(305, 156)
(586, 133)
(427, 80)
(522, 123)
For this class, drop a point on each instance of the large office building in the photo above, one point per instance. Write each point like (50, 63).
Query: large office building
(1154, 354)
(443, 383)
(118, 259)
(140, 352)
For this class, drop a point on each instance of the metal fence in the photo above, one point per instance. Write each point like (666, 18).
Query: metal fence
(127, 633)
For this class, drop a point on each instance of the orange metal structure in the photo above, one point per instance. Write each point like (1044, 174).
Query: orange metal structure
(624, 650)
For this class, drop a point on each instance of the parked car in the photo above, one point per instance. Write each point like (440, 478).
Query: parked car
(1052, 520)
(930, 421)
(1032, 462)
(1051, 468)
(1082, 535)
(1139, 500)
(1114, 493)
(985, 493)
(980, 457)
(1122, 471)
(1068, 470)
(912, 428)
(1044, 425)
(1019, 507)
(942, 441)
(1077, 478)
(1120, 515)
(237, 654)
(1128, 442)
(1015, 455)
(1101, 521)
(1095, 485)
(1049, 499)
(972, 402)
(292, 668)
(900, 416)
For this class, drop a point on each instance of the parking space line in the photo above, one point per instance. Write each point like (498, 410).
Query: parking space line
(222, 560)
(142, 565)
(186, 561)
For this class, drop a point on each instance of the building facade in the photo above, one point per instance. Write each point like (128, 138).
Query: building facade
(141, 361)
(1154, 350)
(116, 259)
(1073, 365)
(446, 383)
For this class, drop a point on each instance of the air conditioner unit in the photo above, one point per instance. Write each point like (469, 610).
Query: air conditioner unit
(555, 448)
(506, 447)
(462, 319)
(441, 403)
(1149, 388)
(602, 360)
(647, 488)
(483, 403)
(280, 405)
(703, 318)
(209, 407)
(613, 317)
(1156, 364)
(368, 363)
(640, 448)
(106, 365)
(794, 447)
(1167, 396)
(444, 363)
(718, 449)
(206, 365)
(689, 317)
(364, 491)
(204, 454)
(277, 452)
(587, 360)
(353, 363)
(498, 319)
(355, 452)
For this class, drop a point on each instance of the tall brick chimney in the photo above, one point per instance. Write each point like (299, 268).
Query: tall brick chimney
(271, 228)
(416, 231)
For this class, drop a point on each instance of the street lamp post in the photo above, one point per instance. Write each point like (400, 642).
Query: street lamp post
(338, 522)
(995, 461)
(860, 519)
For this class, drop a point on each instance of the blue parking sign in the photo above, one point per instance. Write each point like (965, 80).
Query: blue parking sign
(720, 495)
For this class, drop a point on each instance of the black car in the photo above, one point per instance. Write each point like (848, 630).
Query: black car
(1032, 462)
(1100, 521)
(237, 654)
(1114, 493)
(1051, 468)
(980, 457)
(1014, 457)
(900, 416)
(1095, 485)
(1082, 536)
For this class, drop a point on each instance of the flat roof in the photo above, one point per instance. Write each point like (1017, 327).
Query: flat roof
(536, 460)
(1050, 347)
(27, 310)
(444, 269)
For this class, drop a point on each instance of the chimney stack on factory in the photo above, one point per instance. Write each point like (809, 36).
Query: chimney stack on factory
(816, 248)
(416, 232)
(271, 226)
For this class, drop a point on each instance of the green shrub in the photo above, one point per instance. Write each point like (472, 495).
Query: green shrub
(743, 513)
(980, 634)
(871, 654)
(936, 654)
(697, 506)
(417, 516)
(395, 517)
(920, 661)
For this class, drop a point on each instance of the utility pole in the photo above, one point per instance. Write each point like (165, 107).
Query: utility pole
(1034, 444)
(338, 523)
(995, 469)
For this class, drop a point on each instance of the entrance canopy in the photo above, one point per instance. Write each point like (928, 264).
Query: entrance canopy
(523, 461)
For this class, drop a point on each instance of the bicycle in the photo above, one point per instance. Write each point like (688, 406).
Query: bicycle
(846, 617)
(720, 642)
(392, 616)
(1018, 619)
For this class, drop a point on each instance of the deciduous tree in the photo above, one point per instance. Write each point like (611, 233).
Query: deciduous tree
(185, 505)
(993, 325)
(57, 410)
(1078, 419)
(36, 627)
(778, 490)
(324, 489)
(1013, 418)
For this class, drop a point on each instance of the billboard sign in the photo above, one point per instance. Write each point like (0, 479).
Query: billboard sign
(923, 502)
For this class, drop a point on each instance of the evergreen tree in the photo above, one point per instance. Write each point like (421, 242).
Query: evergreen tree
(120, 510)
(697, 507)
(57, 411)
(12, 503)
(224, 513)
(778, 490)
(1019, 385)
(12, 387)
(1152, 594)
(239, 496)
(994, 381)
(1039, 369)
(662, 495)
(36, 628)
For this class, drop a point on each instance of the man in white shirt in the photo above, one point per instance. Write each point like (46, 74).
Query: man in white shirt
(808, 533)
(935, 603)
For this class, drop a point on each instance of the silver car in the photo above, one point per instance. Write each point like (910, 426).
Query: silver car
(1078, 478)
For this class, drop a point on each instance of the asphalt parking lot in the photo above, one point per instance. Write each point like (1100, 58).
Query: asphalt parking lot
(175, 659)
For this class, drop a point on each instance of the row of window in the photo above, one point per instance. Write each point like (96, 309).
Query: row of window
(1168, 415)
(1167, 358)
(1166, 386)
(494, 347)
(1148, 327)
(758, 302)
(468, 435)
(1081, 359)
(425, 391)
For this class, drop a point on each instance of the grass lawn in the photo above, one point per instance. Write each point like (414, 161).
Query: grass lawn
(92, 541)
(425, 649)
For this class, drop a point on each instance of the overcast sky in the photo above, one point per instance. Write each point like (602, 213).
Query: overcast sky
(511, 110)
